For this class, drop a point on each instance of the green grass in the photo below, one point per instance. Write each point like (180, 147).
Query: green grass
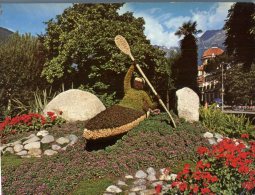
(92, 187)
(11, 160)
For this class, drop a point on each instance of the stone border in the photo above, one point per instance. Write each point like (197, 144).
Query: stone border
(109, 132)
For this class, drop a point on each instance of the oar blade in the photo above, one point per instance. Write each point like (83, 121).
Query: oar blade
(122, 44)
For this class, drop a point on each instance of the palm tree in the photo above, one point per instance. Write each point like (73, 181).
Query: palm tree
(188, 28)
(187, 63)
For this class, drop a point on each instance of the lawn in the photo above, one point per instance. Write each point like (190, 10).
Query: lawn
(154, 143)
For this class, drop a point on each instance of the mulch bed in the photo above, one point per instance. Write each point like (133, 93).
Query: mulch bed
(112, 117)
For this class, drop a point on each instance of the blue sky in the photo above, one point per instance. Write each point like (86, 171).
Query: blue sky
(161, 19)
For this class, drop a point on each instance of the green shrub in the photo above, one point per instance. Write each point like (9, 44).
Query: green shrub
(21, 61)
(227, 124)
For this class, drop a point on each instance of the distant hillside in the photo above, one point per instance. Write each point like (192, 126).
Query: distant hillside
(4, 33)
(169, 51)
(210, 38)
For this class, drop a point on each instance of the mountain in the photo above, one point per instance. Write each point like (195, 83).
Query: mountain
(169, 51)
(211, 38)
(4, 33)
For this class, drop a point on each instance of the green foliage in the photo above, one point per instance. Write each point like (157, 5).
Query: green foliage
(106, 98)
(240, 86)
(37, 105)
(80, 47)
(92, 187)
(227, 124)
(187, 63)
(240, 41)
(21, 64)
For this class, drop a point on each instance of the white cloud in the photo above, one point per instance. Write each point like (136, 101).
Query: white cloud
(174, 23)
(160, 30)
(212, 19)
(154, 29)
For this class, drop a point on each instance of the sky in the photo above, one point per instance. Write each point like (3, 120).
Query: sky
(162, 20)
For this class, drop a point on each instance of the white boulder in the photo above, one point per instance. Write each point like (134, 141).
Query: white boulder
(75, 105)
(187, 104)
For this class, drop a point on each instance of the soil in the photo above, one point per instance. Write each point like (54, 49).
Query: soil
(112, 117)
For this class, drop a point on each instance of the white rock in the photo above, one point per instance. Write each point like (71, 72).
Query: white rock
(131, 193)
(173, 176)
(187, 104)
(218, 136)
(208, 135)
(27, 156)
(121, 183)
(151, 171)
(164, 177)
(219, 140)
(35, 152)
(139, 182)
(140, 174)
(32, 145)
(75, 105)
(129, 177)
(47, 139)
(31, 140)
(62, 140)
(15, 143)
(64, 148)
(9, 149)
(212, 141)
(3, 147)
(18, 148)
(30, 136)
(55, 147)
(151, 178)
(50, 152)
(42, 133)
(73, 139)
(148, 192)
(113, 189)
(157, 183)
(22, 153)
(138, 188)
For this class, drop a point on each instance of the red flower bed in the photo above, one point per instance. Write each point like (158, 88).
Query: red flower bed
(27, 122)
(228, 168)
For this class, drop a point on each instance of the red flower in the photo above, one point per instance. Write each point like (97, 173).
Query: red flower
(248, 185)
(195, 188)
(243, 169)
(245, 136)
(175, 184)
(53, 118)
(50, 114)
(202, 150)
(183, 186)
(205, 190)
(158, 188)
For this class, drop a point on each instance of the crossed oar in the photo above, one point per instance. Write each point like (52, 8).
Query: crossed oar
(123, 45)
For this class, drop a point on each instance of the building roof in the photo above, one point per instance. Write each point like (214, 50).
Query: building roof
(212, 52)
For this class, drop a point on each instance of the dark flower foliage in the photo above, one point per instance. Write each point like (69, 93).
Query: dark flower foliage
(114, 116)
(152, 143)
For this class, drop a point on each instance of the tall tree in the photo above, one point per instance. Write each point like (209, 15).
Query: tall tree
(186, 66)
(81, 49)
(240, 42)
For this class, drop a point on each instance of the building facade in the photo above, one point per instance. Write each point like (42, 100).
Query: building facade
(209, 83)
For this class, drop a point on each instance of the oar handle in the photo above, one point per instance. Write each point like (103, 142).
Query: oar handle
(154, 91)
